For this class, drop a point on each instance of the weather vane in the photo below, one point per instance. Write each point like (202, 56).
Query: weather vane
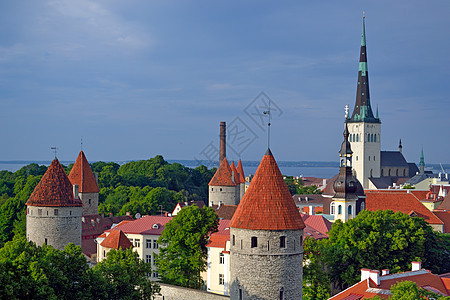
(81, 143)
(267, 112)
(54, 150)
(346, 111)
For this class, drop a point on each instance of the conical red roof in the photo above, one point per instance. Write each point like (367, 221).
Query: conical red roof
(267, 203)
(82, 175)
(54, 189)
(240, 170)
(115, 240)
(235, 173)
(223, 175)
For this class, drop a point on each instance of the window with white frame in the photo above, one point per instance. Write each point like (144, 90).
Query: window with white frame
(221, 279)
(148, 244)
(155, 244)
(137, 243)
(148, 259)
(332, 207)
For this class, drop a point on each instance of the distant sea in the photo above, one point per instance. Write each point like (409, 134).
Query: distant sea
(290, 168)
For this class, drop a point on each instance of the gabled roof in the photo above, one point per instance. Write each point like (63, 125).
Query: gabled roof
(240, 170)
(82, 175)
(147, 225)
(54, 189)
(400, 200)
(223, 175)
(392, 159)
(115, 240)
(225, 212)
(267, 203)
(317, 222)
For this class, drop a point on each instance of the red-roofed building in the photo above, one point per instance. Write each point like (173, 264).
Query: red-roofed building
(224, 187)
(266, 224)
(372, 283)
(115, 240)
(81, 174)
(406, 201)
(317, 226)
(143, 233)
(218, 264)
(53, 213)
(180, 205)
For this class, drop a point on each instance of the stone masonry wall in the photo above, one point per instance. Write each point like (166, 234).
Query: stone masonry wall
(229, 195)
(263, 271)
(59, 227)
(92, 208)
(172, 292)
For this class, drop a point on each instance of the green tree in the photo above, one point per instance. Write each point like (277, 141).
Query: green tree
(382, 240)
(296, 186)
(182, 255)
(316, 284)
(126, 276)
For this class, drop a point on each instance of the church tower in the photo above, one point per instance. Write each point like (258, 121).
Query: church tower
(53, 212)
(364, 128)
(348, 199)
(266, 235)
(81, 174)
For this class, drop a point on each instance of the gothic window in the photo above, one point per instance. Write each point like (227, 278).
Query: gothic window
(340, 210)
(375, 138)
(382, 172)
(349, 210)
(282, 242)
(371, 173)
(332, 208)
(254, 242)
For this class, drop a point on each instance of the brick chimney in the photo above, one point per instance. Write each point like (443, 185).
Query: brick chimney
(223, 141)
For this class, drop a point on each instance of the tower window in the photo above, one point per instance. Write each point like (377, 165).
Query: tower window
(369, 158)
(240, 293)
(56, 212)
(45, 241)
(332, 208)
(282, 294)
(349, 210)
(282, 242)
(39, 212)
(339, 209)
(220, 189)
(357, 137)
(89, 201)
(234, 239)
(254, 242)
(375, 138)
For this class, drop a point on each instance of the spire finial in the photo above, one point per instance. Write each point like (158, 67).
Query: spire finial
(364, 14)
(54, 150)
(267, 112)
(81, 143)
(363, 36)
(346, 111)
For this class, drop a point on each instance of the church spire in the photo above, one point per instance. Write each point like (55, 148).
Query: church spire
(363, 110)
(422, 163)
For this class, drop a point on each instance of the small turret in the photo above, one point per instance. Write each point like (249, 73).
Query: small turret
(400, 147)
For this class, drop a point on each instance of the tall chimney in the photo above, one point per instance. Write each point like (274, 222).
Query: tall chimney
(223, 141)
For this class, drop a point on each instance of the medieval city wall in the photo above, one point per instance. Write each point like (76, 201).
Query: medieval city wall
(172, 292)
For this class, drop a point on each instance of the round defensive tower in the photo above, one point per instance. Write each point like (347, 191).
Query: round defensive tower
(53, 213)
(81, 175)
(266, 235)
(223, 187)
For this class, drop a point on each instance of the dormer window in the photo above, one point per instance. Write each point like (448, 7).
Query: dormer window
(155, 226)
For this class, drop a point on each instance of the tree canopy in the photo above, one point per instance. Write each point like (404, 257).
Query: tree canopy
(296, 186)
(182, 255)
(382, 240)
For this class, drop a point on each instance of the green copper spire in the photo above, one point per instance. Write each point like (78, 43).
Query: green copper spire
(363, 35)
(422, 159)
(377, 117)
(362, 111)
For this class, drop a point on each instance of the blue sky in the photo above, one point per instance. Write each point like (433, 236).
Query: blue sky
(141, 78)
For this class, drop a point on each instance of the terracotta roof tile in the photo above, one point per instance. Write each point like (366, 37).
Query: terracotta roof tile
(147, 225)
(360, 288)
(267, 203)
(399, 200)
(444, 216)
(240, 170)
(219, 239)
(115, 240)
(422, 278)
(317, 222)
(54, 189)
(82, 175)
(223, 175)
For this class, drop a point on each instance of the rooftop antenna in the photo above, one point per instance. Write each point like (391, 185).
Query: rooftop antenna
(54, 150)
(267, 112)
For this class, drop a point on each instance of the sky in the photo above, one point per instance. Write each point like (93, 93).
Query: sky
(134, 79)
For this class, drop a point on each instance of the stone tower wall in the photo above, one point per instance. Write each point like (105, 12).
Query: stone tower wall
(92, 207)
(59, 225)
(263, 271)
(228, 195)
(366, 154)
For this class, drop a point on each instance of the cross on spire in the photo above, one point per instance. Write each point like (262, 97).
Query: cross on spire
(267, 112)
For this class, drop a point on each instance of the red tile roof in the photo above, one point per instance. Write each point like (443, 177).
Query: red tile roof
(219, 239)
(363, 288)
(240, 170)
(223, 175)
(147, 225)
(235, 173)
(54, 189)
(399, 200)
(445, 203)
(115, 240)
(82, 175)
(422, 278)
(317, 222)
(267, 203)
(444, 216)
